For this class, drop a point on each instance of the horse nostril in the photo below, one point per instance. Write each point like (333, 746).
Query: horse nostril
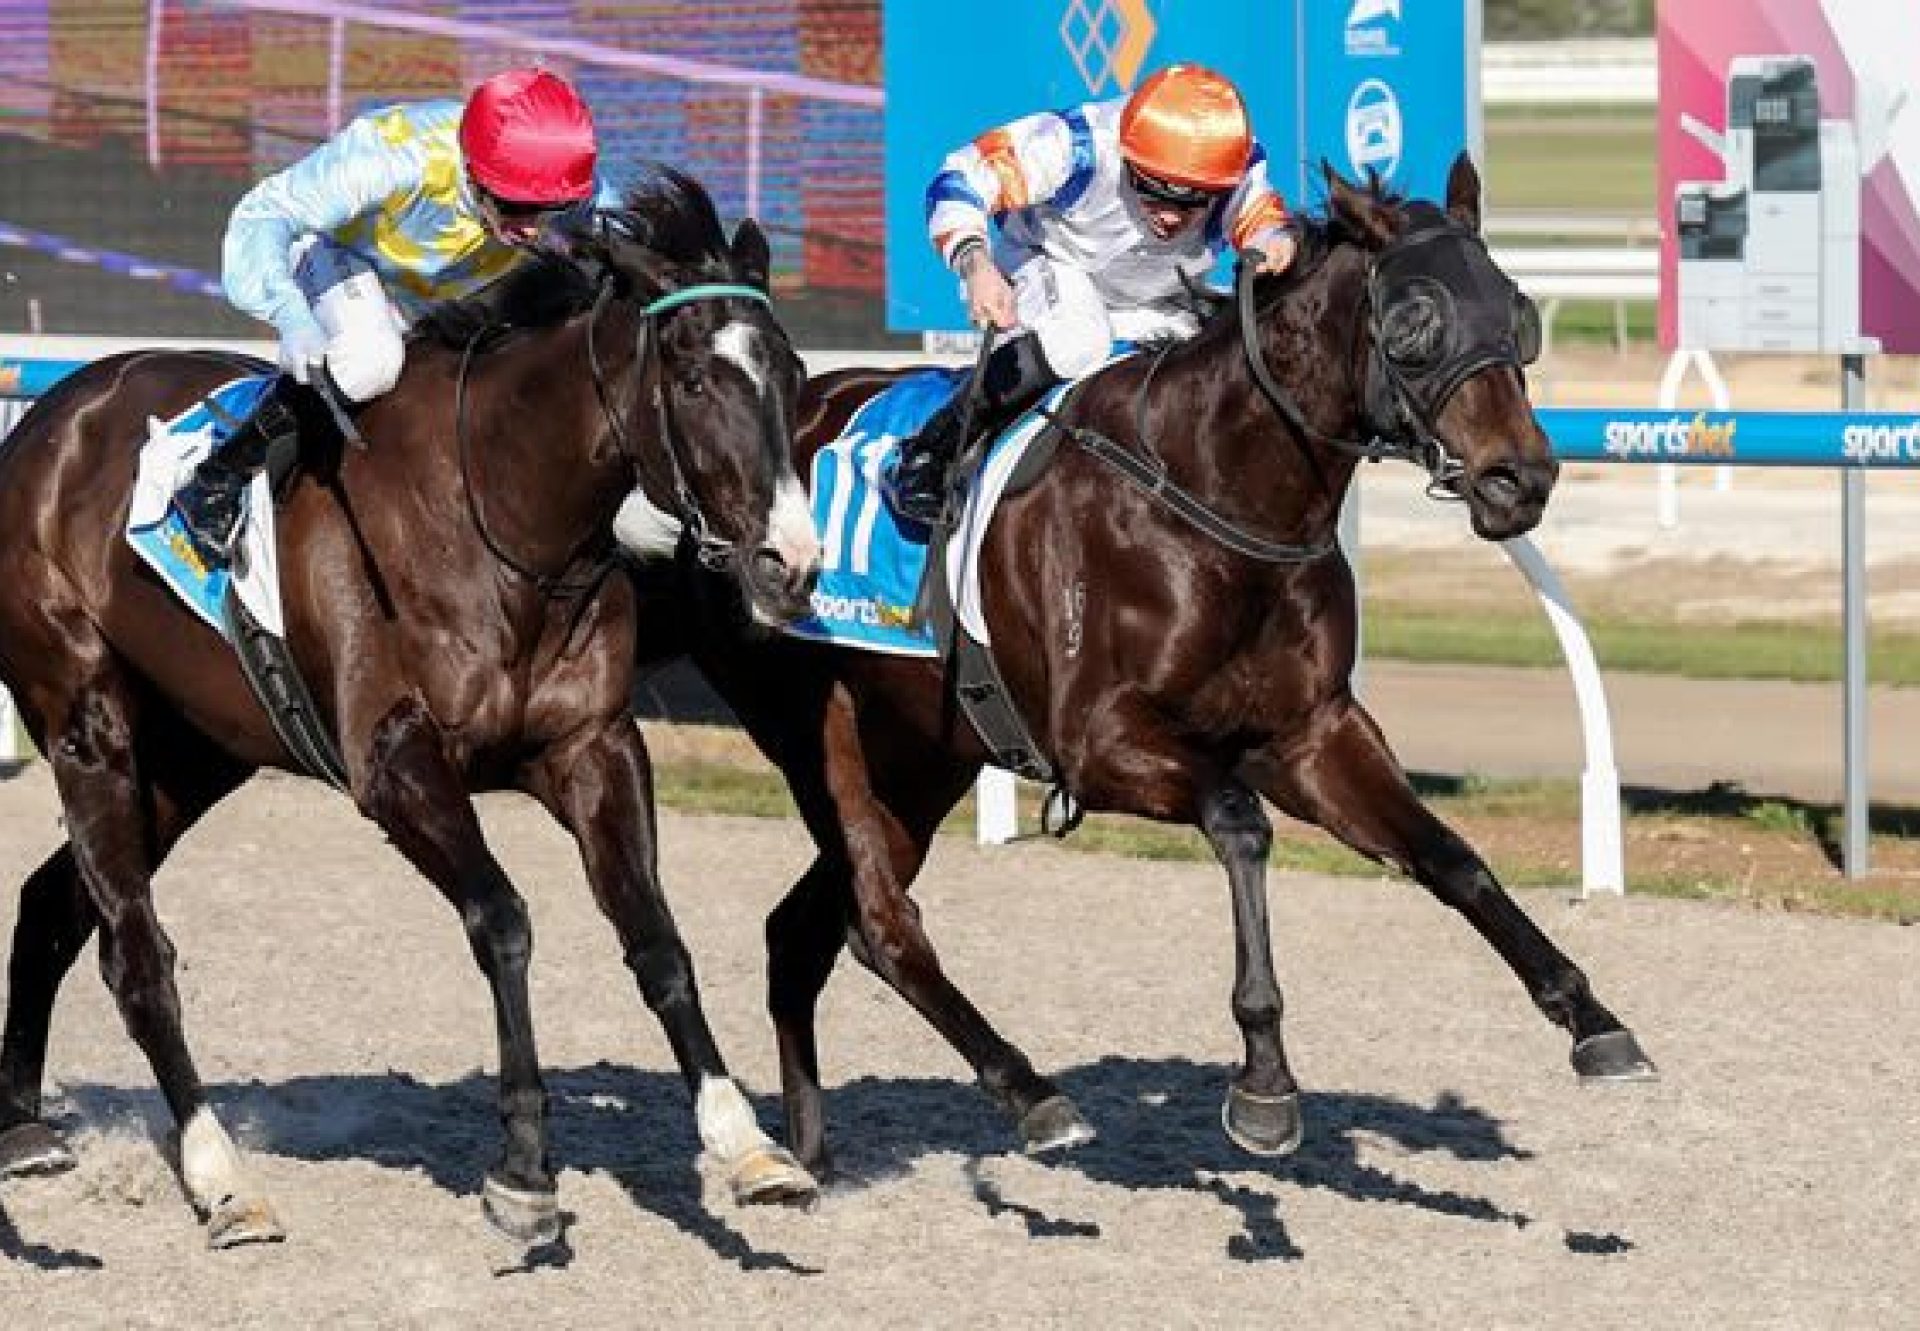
(1500, 485)
(772, 571)
(768, 567)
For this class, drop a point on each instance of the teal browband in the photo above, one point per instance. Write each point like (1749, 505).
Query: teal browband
(673, 300)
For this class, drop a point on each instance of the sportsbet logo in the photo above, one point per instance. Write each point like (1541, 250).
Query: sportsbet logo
(1673, 437)
(1881, 443)
(860, 610)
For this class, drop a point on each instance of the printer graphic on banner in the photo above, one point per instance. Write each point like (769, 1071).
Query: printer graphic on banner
(1769, 256)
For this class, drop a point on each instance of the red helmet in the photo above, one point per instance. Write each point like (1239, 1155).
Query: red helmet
(528, 138)
(1188, 125)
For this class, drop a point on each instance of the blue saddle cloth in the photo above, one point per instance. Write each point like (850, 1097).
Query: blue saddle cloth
(872, 558)
(154, 526)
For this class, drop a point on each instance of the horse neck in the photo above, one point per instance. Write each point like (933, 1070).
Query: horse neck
(541, 458)
(1229, 445)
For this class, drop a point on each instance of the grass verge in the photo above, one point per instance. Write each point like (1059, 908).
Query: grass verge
(1701, 651)
(1718, 845)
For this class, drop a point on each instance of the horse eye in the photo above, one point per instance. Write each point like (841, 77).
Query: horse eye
(692, 383)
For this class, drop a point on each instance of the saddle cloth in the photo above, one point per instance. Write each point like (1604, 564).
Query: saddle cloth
(872, 560)
(154, 529)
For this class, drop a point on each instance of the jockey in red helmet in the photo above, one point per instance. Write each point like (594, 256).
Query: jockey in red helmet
(1081, 226)
(407, 206)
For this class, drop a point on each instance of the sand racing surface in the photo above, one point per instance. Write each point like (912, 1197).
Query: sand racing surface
(1454, 1173)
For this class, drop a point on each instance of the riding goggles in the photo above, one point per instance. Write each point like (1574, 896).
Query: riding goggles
(1169, 192)
(545, 216)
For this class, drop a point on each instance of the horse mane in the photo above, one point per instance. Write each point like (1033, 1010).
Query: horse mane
(669, 214)
(672, 214)
(1318, 235)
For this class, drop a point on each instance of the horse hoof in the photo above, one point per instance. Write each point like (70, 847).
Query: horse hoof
(1613, 1056)
(235, 1222)
(33, 1148)
(1263, 1124)
(771, 1176)
(1054, 1125)
(530, 1216)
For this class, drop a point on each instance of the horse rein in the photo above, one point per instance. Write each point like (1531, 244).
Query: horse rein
(711, 550)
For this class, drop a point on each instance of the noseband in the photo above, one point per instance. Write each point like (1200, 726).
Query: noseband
(711, 550)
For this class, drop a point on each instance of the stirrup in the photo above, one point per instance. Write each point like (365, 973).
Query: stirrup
(925, 499)
(925, 507)
(202, 521)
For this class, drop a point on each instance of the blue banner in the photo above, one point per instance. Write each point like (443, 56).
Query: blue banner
(953, 73)
(22, 377)
(1740, 438)
(1384, 87)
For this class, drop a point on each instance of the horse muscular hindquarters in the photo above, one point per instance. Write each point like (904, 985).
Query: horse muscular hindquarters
(446, 599)
(1178, 650)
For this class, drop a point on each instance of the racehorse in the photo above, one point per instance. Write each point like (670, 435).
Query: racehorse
(1175, 626)
(447, 599)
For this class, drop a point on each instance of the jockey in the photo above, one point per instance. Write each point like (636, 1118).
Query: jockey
(407, 206)
(1104, 212)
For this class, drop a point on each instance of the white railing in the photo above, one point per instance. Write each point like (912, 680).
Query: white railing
(755, 85)
(1553, 275)
(1569, 73)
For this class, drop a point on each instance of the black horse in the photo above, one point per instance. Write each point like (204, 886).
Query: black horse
(1175, 625)
(447, 599)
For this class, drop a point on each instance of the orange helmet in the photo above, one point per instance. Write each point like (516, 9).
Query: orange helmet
(1188, 125)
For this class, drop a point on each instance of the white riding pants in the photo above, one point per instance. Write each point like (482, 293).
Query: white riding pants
(366, 345)
(1060, 305)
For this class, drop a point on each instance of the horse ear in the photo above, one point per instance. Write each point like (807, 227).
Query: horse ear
(751, 254)
(1364, 211)
(1463, 192)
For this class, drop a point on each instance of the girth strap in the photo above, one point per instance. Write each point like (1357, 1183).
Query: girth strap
(277, 683)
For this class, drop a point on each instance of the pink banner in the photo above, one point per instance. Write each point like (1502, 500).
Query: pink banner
(1789, 151)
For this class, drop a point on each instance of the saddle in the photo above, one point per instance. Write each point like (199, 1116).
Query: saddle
(239, 600)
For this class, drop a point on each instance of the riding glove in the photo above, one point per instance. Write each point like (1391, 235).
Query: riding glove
(302, 346)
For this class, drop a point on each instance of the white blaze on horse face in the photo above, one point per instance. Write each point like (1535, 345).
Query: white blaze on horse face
(790, 526)
(727, 1126)
(741, 344)
(790, 522)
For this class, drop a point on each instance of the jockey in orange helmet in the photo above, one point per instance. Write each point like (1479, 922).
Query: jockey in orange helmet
(406, 206)
(1086, 225)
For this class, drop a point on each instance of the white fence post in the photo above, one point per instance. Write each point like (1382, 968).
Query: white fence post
(1667, 503)
(9, 730)
(1601, 867)
(996, 807)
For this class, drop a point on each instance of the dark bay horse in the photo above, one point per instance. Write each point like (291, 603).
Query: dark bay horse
(446, 599)
(1178, 648)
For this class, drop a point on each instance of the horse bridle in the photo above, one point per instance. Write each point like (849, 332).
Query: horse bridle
(711, 550)
(1407, 390)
